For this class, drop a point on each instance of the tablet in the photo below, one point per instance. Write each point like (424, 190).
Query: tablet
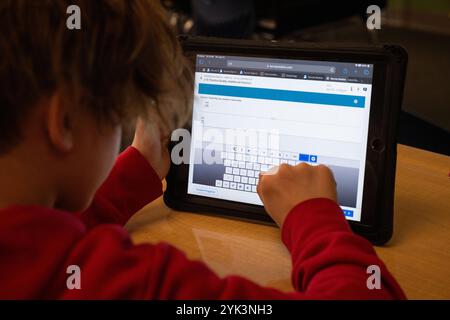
(260, 104)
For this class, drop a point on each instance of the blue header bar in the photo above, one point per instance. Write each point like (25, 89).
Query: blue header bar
(283, 95)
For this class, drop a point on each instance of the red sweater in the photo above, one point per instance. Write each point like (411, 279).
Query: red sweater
(38, 244)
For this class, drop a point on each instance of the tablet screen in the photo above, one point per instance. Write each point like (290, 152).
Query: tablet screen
(252, 113)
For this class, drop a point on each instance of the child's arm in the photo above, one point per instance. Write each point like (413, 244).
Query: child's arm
(131, 185)
(135, 179)
(329, 260)
(326, 255)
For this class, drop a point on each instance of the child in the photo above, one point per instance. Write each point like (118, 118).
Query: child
(65, 96)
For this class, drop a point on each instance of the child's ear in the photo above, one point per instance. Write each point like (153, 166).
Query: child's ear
(59, 124)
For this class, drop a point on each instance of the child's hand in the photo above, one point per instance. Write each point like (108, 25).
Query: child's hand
(283, 187)
(152, 144)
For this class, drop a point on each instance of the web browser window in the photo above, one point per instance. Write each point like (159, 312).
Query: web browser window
(251, 114)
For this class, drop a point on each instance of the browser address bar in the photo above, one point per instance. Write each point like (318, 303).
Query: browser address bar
(292, 67)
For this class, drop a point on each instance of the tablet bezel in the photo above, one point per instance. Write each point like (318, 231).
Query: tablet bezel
(389, 72)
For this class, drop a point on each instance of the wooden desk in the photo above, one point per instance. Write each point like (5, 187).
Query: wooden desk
(418, 255)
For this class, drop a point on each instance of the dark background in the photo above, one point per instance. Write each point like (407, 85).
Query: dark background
(422, 27)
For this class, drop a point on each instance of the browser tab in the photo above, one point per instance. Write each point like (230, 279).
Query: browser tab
(284, 68)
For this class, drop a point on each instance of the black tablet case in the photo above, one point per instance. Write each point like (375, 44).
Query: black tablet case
(382, 144)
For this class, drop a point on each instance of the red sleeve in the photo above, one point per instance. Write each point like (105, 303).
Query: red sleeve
(130, 186)
(329, 262)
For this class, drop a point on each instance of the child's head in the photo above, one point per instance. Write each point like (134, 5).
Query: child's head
(66, 94)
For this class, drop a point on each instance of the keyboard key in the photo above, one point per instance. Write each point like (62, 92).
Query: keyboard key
(226, 184)
(268, 160)
(233, 185)
(249, 165)
(230, 156)
(261, 159)
(256, 166)
(253, 188)
(237, 179)
(229, 170)
(235, 170)
(248, 187)
(227, 163)
(234, 164)
(252, 180)
(283, 161)
(244, 179)
(276, 161)
(227, 177)
(291, 162)
(264, 168)
(239, 157)
(250, 173)
(240, 186)
(272, 153)
(241, 164)
(243, 172)
(219, 183)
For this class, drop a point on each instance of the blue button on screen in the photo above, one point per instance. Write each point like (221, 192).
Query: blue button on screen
(303, 157)
(313, 159)
(348, 213)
